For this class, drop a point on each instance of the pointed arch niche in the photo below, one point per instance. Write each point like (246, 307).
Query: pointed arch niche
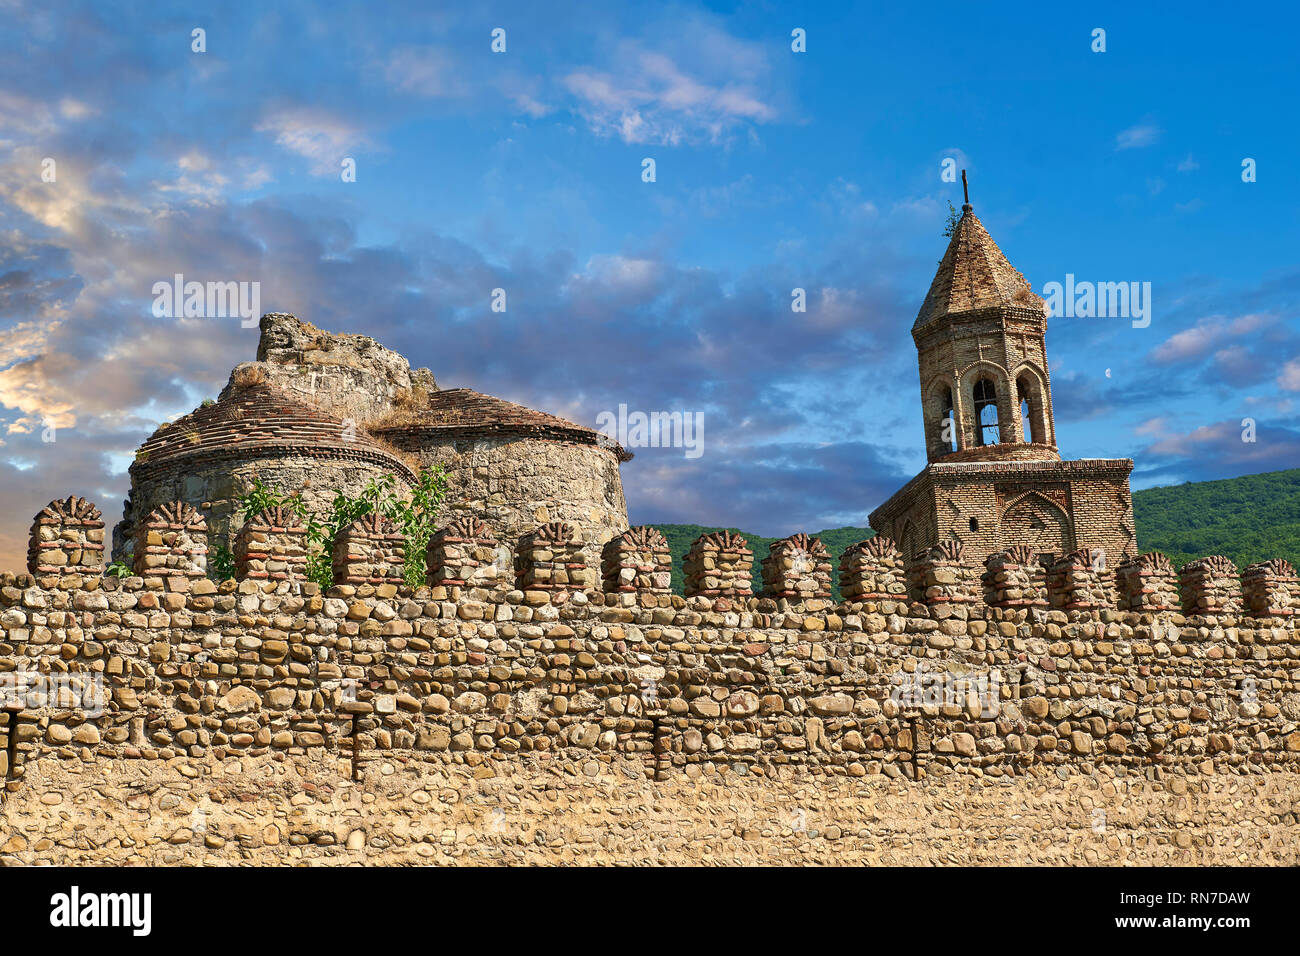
(1037, 522)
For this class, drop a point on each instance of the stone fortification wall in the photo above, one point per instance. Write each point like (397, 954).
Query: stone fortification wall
(934, 666)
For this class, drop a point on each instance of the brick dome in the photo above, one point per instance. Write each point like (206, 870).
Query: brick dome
(260, 421)
(465, 413)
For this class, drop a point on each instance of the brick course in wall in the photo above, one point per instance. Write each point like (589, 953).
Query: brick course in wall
(67, 537)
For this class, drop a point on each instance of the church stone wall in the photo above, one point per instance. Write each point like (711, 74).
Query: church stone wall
(515, 484)
(1052, 507)
(981, 321)
(211, 486)
(512, 480)
(1001, 348)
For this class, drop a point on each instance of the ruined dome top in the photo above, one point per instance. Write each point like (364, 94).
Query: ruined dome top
(463, 412)
(254, 420)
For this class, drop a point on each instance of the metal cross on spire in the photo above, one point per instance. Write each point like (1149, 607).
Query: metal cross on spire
(965, 191)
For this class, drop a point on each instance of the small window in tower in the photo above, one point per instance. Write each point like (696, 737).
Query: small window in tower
(974, 524)
(1024, 418)
(986, 412)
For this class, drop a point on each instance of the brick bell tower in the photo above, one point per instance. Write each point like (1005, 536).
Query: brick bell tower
(995, 478)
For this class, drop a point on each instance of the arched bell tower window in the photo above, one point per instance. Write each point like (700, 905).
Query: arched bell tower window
(1031, 409)
(987, 431)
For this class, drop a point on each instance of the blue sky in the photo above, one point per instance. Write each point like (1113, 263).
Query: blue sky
(774, 170)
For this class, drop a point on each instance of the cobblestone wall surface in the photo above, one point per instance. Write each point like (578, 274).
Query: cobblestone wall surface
(935, 676)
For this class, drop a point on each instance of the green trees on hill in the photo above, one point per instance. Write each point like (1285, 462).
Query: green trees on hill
(1248, 519)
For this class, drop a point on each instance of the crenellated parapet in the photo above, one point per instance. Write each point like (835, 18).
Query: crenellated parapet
(67, 537)
(940, 577)
(272, 546)
(172, 542)
(872, 570)
(1147, 583)
(371, 550)
(464, 554)
(638, 565)
(550, 562)
(797, 568)
(719, 565)
(1015, 578)
(1079, 581)
(1270, 589)
(1210, 586)
(550, 565)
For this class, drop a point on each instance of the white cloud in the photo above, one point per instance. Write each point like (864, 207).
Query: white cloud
(846, 197)
(1289, 378)
(1153, 426)
(619, 273)
(835, 308)
(74, 109)
(1208, 335)
(317, 135)
(649, 97)
(1136, 137)
(426, 71)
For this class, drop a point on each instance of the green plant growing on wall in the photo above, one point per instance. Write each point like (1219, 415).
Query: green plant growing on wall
(260, 497)
(221, 563)
(415, 514)
(321, 532)
(951, 225)
(118, 569)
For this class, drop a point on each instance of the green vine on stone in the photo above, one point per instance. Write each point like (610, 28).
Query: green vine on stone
(415, 513)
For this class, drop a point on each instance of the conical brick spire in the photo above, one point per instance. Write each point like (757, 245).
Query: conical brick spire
(974, 274)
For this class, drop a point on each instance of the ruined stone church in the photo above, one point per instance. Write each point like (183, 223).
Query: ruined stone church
(995, 478)
(319, 412)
